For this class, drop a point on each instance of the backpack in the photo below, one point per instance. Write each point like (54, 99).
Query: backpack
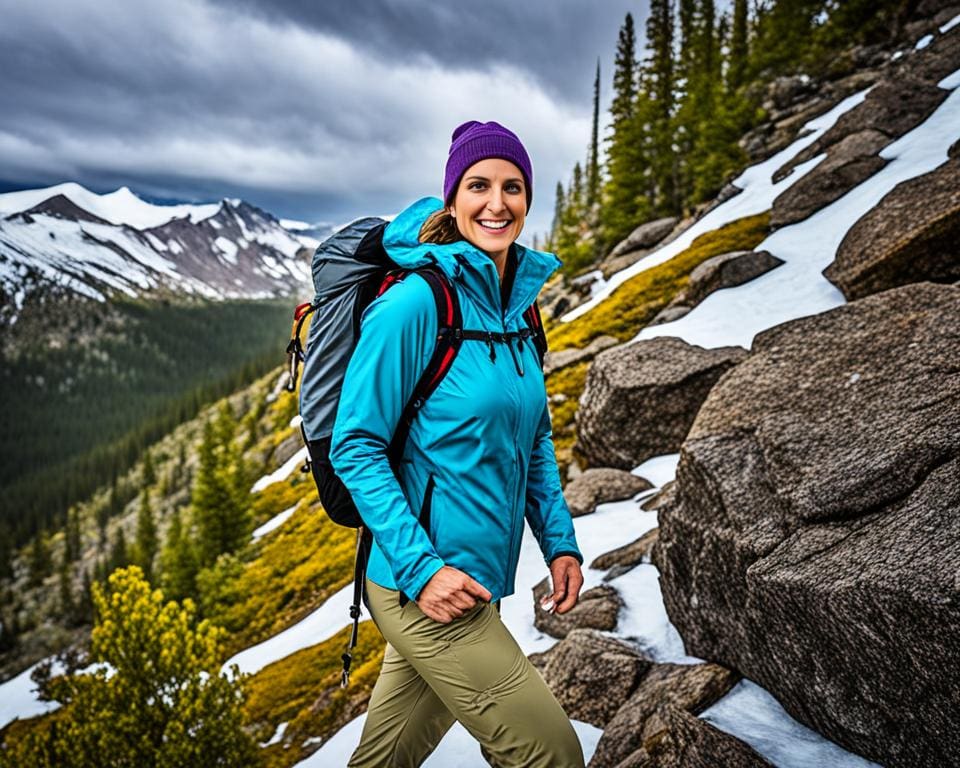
(350, 269)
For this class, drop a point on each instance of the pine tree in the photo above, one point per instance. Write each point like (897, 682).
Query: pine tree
(146, 540)
(659, 83)
(85, 605)
(68, 607)
(118, 552)
(6, 551)
(593, 163)
(72, 534)
(178, 561)
(157, 697)
(220, 497)
(624, 203)
(558, 207)
(149, 473)
(39, 560)
(736, 70)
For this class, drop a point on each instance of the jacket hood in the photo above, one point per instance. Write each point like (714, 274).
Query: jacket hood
(463, 261)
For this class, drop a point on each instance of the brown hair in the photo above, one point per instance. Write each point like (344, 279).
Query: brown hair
(440, 228)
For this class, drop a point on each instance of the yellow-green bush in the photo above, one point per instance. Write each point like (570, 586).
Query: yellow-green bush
(303, 690)
(294, 569)
(634, 303)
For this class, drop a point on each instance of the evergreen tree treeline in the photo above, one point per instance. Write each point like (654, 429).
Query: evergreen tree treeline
(678, 113)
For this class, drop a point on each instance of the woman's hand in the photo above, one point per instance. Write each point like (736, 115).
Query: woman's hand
(450, 593)
(567, 579)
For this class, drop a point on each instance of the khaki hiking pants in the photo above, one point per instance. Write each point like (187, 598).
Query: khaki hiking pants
(471, 670)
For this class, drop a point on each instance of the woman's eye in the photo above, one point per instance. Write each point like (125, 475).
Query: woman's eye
(513, 188)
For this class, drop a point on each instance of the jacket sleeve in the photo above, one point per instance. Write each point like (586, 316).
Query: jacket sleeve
(546, 509)
(398, 334)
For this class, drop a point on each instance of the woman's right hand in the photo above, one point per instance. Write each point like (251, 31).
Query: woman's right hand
(449, 594)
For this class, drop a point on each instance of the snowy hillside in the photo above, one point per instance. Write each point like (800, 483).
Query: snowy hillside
(93, 245)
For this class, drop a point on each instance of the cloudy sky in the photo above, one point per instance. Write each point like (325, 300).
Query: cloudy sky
(313, 110)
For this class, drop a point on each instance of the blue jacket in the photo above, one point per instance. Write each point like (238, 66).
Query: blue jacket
(480, 452)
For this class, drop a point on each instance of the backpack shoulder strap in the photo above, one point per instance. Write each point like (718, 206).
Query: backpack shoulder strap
(532, 317)
(449, 339)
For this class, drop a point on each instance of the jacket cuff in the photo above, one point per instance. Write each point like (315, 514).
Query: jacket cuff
(413, 587)
(570, 552)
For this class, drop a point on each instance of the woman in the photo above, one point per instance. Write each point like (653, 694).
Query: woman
(479, 459)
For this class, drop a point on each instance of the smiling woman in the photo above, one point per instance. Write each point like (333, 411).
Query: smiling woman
(479, 460)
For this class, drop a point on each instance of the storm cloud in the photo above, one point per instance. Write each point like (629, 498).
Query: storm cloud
(313, 110)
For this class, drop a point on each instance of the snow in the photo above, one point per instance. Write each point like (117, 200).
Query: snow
(753, 715)
(118, 207)
(277, 736)
(274, 522)
(320, 625)
(757, 196)
(733, 316)
(923, 42)
(950, 24)
(296, 421)
(294, 224)
(293, 463)
(457, 748)
(18, 696)
(659, 470)
(228, 248)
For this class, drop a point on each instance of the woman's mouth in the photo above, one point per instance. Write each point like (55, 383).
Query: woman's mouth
(493, 225)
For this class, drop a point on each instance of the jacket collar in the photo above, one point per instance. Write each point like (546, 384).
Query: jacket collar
(465, 263)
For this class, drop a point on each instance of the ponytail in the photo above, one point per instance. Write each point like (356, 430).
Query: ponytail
(440, 228)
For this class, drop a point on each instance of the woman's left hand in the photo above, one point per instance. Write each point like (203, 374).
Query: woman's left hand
(567, 579)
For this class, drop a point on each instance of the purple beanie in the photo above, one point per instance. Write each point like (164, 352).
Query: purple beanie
(474, 141)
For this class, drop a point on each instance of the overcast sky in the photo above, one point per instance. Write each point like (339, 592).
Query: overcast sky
(315, 110)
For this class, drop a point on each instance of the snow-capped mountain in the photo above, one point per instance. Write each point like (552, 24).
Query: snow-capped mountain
(69, 238)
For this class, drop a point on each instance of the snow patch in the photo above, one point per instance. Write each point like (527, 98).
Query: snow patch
(923, 42)
(228, 248)
(274, 522)
(754, 716)
(283, 473)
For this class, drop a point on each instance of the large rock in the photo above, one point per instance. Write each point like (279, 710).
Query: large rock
(912, 234)
(849, 162)
(596, 608)
(622, 559)
(598, 486)
(893, 107)
(813, 539)
(646, 235)
(554, 361)
(642, 241)
(725, 270)
(692, 688)
(641, 398)
(592, 674)
(937, 60)
(674, 738)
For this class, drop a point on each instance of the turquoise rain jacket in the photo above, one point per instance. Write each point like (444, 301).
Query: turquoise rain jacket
(480, 456)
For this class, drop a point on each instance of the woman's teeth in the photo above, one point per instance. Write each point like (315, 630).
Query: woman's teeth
(494, 224)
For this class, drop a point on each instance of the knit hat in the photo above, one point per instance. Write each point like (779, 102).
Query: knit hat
(474, 141)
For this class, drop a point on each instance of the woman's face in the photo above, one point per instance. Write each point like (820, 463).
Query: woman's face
(490, 205)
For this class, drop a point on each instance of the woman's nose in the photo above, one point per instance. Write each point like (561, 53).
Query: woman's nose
(495, 203)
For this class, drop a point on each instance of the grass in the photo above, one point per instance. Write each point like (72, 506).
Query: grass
(286, 575)
(635, 303)
(303, 690)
